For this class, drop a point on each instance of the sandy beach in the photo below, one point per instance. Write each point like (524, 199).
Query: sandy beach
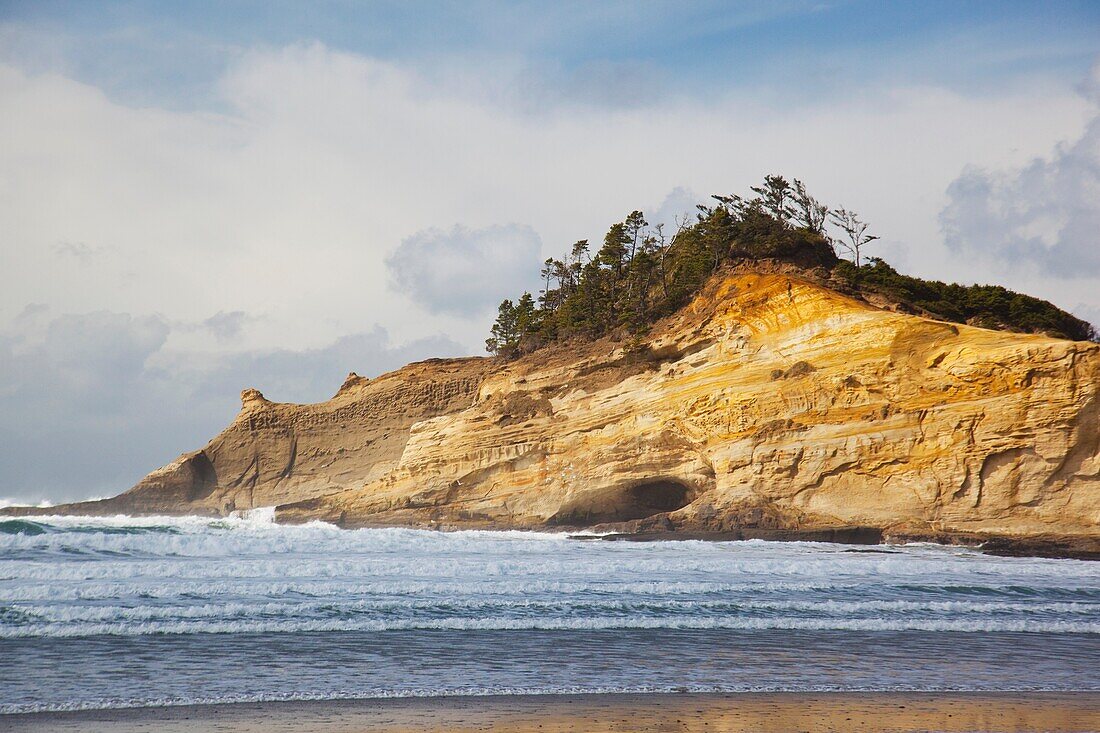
(729, 713)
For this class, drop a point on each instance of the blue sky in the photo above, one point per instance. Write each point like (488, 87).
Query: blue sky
(206, 196)
(169, 51)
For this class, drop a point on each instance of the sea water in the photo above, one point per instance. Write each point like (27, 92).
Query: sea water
(114, 612)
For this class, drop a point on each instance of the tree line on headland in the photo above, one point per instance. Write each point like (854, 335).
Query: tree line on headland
(642, 272)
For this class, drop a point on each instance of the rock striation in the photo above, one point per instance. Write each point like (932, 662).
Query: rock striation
(771, 404)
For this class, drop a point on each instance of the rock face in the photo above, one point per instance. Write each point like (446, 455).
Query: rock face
(771, 402)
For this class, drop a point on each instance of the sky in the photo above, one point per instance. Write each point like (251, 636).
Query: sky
(199, 197)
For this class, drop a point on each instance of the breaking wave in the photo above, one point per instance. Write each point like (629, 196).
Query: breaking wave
(127, 627)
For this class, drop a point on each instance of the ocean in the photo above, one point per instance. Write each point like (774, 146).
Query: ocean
(122, 612)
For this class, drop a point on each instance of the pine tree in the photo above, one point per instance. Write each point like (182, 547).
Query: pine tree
(527, 319)
(504, 340)
(775, 198)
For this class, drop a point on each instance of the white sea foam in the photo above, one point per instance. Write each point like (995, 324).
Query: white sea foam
(621, 608)
(476, 691)
(143, 628)
(6, 502)
(90, 588)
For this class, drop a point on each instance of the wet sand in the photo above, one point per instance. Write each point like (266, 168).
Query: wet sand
(725, 713)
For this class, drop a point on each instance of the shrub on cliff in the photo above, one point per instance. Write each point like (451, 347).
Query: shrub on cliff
(988, 306)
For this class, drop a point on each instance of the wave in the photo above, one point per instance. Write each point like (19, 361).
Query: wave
(540, 607)
(221, 586)
(255, 531)
(501, 691)
(324, 549)
(263, 518)
(90, 575)
(591, 623)
(241, 534)
(22, 526)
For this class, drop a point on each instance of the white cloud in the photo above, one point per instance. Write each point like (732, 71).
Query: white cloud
(678, 206)
(1045, 215)
(78, 251)
(226, 326)
(463, 271)
(1088, 313)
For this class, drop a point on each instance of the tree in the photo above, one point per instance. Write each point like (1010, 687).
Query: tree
(515, 328)
(855, 230)
(613, 253)
(714, 229)
(665, 245)
(775, 197)
(527, 319)
(612, 260)
(733, 202)
(587, 311)
(575, 262)
(808, 211)
(504, 340)
(549, 268)
(551, 297)
(634, 230)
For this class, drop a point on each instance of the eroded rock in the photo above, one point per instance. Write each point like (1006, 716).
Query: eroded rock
(770, 404)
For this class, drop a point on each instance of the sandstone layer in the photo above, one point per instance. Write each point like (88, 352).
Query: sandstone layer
(771, 403)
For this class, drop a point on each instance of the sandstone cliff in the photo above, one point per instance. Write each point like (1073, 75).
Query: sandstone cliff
(771, 402)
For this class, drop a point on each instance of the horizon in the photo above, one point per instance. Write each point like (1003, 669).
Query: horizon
(205, 198)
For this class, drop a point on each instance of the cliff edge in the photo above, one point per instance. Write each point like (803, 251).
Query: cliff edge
(771, 404)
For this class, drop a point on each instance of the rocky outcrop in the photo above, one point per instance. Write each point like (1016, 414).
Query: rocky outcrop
(770, 403)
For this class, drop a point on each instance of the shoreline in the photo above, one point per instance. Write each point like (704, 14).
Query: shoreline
(1057, 547)
(1045, 546)
(766, 712)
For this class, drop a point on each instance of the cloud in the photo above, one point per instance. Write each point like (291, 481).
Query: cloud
(226, 326)
(677, 207)
(1088, 313)
(77, 401)
(31, 312)
(309, 375)
(463, 271)
(1045, 215)
(78, 251)
(74, 365)
(91, 402)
